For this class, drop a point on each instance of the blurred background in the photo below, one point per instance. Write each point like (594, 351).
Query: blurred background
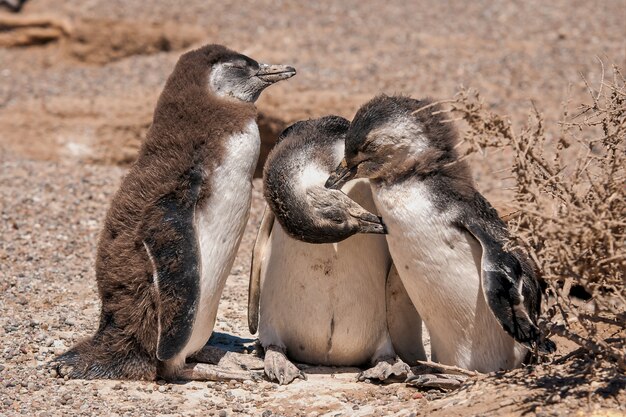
(79, 79)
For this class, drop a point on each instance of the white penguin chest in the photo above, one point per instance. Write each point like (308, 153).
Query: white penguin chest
(440, 267)
(325, 303)
(434, 260)
(219, 225)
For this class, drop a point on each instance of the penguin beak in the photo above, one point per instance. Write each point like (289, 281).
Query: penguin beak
(274, 73)
(342, 175)
(370, 223)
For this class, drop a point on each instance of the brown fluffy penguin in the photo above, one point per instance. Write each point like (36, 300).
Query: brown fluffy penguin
(173, 228)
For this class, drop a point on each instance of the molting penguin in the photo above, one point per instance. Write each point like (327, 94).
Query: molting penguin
(174, 226)
(450, 247)
(325, 304)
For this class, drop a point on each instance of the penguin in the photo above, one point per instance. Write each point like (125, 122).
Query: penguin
(173, 228)
(321, 303)
(479, 299)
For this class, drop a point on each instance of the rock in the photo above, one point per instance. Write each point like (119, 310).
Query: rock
(507, 402)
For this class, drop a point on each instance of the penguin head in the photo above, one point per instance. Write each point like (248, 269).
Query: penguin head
(226, 73)
(231, 74)
(391, 136)
(293, 181)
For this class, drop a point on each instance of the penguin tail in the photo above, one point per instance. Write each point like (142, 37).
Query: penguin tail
(97, 358)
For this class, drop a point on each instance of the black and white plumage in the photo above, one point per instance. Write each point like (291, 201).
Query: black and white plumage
(479, 300)
(337, 304)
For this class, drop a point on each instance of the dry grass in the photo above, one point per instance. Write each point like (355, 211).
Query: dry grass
(569, 190)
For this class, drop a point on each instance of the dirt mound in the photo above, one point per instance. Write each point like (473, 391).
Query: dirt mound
(102, 41)
(98, 41)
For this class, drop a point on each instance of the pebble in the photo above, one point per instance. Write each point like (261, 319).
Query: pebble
(556, 398)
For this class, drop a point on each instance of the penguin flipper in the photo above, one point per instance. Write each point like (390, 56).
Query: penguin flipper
(502, 283)
(254, 286)
(403, 321)
(172, 247)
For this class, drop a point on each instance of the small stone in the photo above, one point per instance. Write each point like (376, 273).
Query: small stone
(266, 413)
(507, 402)
(556, 398)
(162, 388)
(222, 413)
(417, 396)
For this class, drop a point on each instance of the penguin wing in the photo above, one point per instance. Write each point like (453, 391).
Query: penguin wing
(172, 247)
(502, 277)
(403, 321)
(254, 287)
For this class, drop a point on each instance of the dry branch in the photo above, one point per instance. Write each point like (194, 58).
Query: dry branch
(570, 196)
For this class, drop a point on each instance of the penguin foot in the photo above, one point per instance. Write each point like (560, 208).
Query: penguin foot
(445, 382)
(386, 369)
(226, 359)
(242, 361)
(206, 372)
(431, 375)
(278, 368)
(62, 370)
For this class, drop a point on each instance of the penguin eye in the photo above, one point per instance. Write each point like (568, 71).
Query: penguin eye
(238, 65)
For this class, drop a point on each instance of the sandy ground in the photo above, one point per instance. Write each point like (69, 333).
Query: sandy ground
(76, 100)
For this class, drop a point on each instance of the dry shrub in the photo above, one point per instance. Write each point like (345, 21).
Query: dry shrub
(569, 191)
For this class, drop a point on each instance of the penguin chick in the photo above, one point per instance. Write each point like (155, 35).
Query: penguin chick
(447, 241)
(173, 228)
(335, 304)
(307, 210)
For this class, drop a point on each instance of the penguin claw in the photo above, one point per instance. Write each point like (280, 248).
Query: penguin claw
(206, 372)
(279, 369)
(443, 382)
(385, 370)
